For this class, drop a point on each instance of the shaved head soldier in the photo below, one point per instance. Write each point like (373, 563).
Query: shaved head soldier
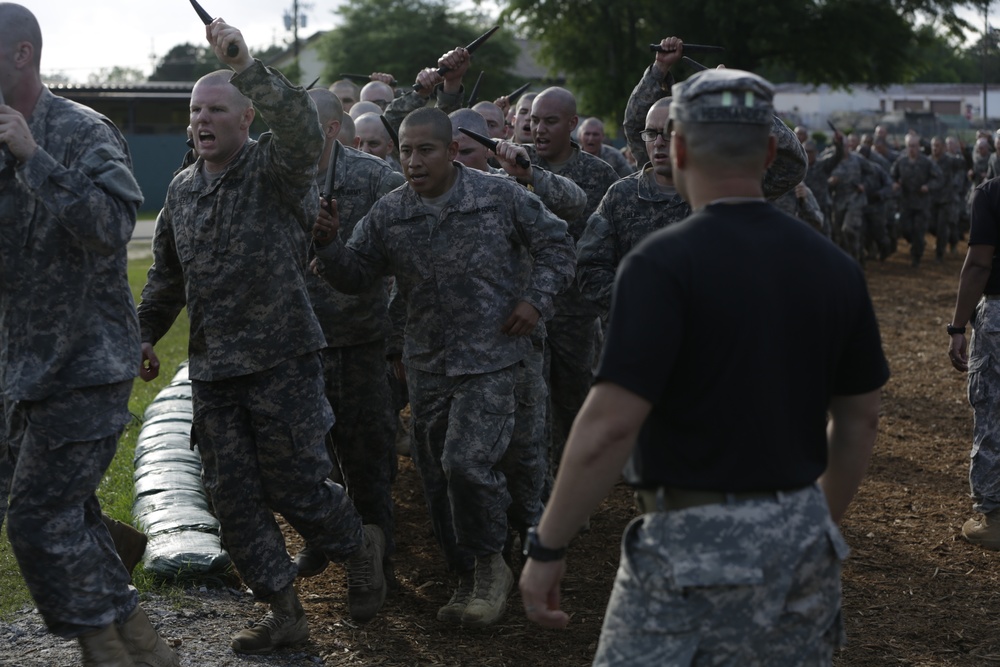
(494, 119)
(522, 118)
(591, 138)
(347, 92)
(378, 93)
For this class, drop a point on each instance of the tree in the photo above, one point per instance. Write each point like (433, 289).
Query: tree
(122, 76)
(603, 46)
(186, 62)
(403, 36)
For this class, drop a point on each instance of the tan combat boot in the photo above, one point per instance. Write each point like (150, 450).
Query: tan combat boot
(129, 542)
(452, 612)
(489, 596)
(144, 644)
(366, 585)
(104, 648)
(284, 625)
(984, 531)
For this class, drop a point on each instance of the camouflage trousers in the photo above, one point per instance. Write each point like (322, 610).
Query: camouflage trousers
(364, 432)
(6, 468)
(848, 229)
(261, 438)
(944, 223)
(570, 347)
(460, 431)
(60, 448)
(913, 227)
(526, 463)
(984, 396)
(875, 234)
(741, 584)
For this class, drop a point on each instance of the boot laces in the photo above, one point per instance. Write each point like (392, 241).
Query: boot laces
(359, 573)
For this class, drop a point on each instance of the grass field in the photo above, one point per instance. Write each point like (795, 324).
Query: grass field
(116, 490)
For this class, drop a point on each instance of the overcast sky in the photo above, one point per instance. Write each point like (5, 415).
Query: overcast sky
(80, 37)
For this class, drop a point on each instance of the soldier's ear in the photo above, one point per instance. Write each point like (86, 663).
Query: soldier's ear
(247, 118)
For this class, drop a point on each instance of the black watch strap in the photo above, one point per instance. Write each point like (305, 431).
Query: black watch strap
(533, 548)
(952, 330)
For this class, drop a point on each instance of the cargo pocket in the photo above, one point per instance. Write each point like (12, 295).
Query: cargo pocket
(982, 380)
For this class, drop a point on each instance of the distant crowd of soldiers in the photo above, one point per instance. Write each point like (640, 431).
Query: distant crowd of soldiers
(870, 192)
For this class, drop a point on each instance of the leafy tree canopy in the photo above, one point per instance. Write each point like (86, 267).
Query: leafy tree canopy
(402, 37)
(602, 44)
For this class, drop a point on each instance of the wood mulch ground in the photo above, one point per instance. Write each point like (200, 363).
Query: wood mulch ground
(914, 592)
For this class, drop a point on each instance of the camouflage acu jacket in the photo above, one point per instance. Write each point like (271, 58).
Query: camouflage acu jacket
(787, 170)
(912, 175)
(68, 318)
(632, 209)
(562, 196)
(353, 319)
(234, 251)
(618, 162)
(460, 274)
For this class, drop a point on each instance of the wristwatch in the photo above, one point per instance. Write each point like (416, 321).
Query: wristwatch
(952, 330)
(533, 548)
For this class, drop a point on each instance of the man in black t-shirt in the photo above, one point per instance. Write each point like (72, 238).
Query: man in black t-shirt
(719, 404)
(978, 303)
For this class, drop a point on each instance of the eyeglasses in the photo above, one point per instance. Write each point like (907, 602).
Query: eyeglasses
(650, 135)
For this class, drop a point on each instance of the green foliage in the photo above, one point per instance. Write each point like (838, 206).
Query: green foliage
(402, 37)
(602, 45)
(116, 75)
(186, 62)
(116, 491)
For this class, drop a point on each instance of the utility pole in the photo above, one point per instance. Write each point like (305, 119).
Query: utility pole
(292, 22)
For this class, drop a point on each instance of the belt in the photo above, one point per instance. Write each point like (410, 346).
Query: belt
(665, 499)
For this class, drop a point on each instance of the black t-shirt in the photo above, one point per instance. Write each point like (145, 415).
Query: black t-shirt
(739, 324)
(985, 227)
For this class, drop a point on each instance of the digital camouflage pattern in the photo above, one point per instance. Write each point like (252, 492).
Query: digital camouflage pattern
(69, 349)
(878, 193)
(787, 170)
(460, 275)
(234, 250)
(632, 209)
(983, 392)
(364, 433)
(68, 317)
(63, 444)
(651, 88)
(749, 583)
(805, 209)
(403, 105)
(526, 462)
(945, 201)
(261, 442)
(912, 175)
(561, 195)
(617, 160)
(460, 430)
(353, 319)
(914, 204)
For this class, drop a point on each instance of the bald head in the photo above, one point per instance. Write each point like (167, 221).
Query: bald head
(328, 106)
(346, 91)
(18, 25)
(378, 93)
(494, 119)
(471, 153)
(220, 79)
(470, 120)
(557, 98)
(362, 108)
(433, 119)
(347, 132)
(372, 137)
(522, 118)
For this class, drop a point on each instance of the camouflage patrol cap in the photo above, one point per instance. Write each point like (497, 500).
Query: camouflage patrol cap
(723, 96)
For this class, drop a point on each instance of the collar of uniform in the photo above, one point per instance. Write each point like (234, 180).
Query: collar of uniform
(648, 189)
(198, 182)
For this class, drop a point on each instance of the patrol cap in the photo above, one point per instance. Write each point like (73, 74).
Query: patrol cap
(723, 96)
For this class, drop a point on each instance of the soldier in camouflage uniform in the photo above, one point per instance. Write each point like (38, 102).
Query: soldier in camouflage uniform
(847, 192)
(914, 176)
(525, 464)
(800, 203)
(447, 89)
(789, 166)
(355, 327)
(460, 244)
(815, 180)
(572, 331)
(69, 340)
(878, 191)
(945, 198)
(977, 172)
(591, 138)
(633, 208)
(230, 244)
(521, 122)
(978, 304)
(730, 541)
